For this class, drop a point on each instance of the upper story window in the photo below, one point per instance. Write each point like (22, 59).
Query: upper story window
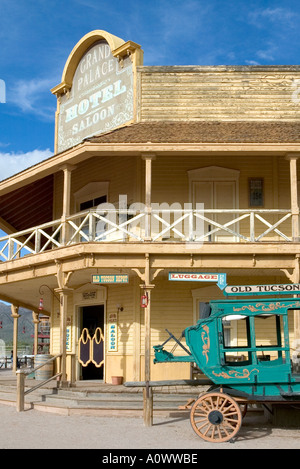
(92, 203)
(91, 195)
(256, 192)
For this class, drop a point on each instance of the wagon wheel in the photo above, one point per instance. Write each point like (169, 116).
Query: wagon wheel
(216, 417)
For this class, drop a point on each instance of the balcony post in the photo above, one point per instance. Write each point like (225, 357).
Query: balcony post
(148, 195)
(67, 170)
(15, 315)
(36, 321)
(63, 296)
(293, 157)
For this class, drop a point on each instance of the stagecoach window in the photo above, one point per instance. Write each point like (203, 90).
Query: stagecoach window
(269, 334)
(235, 331)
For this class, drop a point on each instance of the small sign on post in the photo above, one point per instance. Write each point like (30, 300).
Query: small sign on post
(106, 279)
(113, 332)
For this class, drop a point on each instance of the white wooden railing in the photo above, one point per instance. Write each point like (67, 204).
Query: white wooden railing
(156, 225)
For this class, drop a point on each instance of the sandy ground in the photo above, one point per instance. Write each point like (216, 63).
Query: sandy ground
(33, 430)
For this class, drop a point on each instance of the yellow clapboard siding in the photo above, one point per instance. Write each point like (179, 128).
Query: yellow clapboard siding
(119, 172)
(220, 94)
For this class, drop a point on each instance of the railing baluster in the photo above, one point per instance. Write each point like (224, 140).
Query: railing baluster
(91, 237)
(191, 226)
(10, 248)
(252, 227)
(37, 240)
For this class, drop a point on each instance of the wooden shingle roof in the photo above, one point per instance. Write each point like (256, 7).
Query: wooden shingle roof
(203, 132)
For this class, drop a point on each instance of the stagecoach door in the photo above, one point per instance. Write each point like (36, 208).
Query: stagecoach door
(91, 342)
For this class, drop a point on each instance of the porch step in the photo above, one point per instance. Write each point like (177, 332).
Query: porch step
(115, 401)
(102, 400)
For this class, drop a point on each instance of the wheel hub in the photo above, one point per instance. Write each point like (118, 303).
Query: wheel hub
(215, 417)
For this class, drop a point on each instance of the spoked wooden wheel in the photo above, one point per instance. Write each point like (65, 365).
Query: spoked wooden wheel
(216, 417)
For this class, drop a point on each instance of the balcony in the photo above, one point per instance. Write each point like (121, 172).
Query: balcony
(151, 226)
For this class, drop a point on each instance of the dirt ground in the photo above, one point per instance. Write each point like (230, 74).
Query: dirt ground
(38, 430)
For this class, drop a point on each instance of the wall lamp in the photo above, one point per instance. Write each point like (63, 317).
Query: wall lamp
(41, 304)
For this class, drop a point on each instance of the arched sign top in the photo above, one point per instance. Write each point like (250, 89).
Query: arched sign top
(78, 51)
(97, 92)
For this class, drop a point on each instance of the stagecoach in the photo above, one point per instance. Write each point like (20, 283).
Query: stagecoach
(258, 366)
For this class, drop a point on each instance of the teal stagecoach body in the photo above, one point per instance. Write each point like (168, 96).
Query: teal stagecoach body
(257, 366)
(248, 368)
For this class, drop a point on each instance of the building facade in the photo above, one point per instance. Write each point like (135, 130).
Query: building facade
(157, 171)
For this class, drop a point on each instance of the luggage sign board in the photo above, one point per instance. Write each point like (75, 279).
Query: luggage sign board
(219, 279)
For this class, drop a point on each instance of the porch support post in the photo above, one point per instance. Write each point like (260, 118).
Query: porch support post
(67, 169)
(148, 395)
(293, 157)
(148, 196)
(63, 296)
(15, 315)
(36, 321)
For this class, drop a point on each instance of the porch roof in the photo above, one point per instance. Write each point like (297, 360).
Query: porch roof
(203, 132)
(35, 183)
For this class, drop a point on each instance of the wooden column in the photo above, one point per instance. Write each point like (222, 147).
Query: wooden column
(148, 395)
(293, 157)
(36, 321)
(148, 195)
(63, 296)
(15, 315)
(67, 170)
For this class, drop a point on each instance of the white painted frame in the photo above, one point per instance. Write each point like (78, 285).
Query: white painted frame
(215, 174)
(79, 303)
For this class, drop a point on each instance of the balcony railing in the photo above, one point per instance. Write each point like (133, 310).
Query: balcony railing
(156, 225)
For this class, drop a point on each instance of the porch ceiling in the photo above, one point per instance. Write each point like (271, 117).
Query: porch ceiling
(28, 206)
(27, 293)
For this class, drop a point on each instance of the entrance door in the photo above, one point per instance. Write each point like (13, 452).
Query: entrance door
(91, 342)
(216, 195)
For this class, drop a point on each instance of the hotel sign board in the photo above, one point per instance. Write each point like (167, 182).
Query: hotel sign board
(247, 290)
(219, 279)
(108, 279)
(101, 97)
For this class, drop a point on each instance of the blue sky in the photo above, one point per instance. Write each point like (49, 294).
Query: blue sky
(36, 37)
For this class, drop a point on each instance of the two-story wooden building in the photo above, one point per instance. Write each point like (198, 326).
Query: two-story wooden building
(156, 170)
